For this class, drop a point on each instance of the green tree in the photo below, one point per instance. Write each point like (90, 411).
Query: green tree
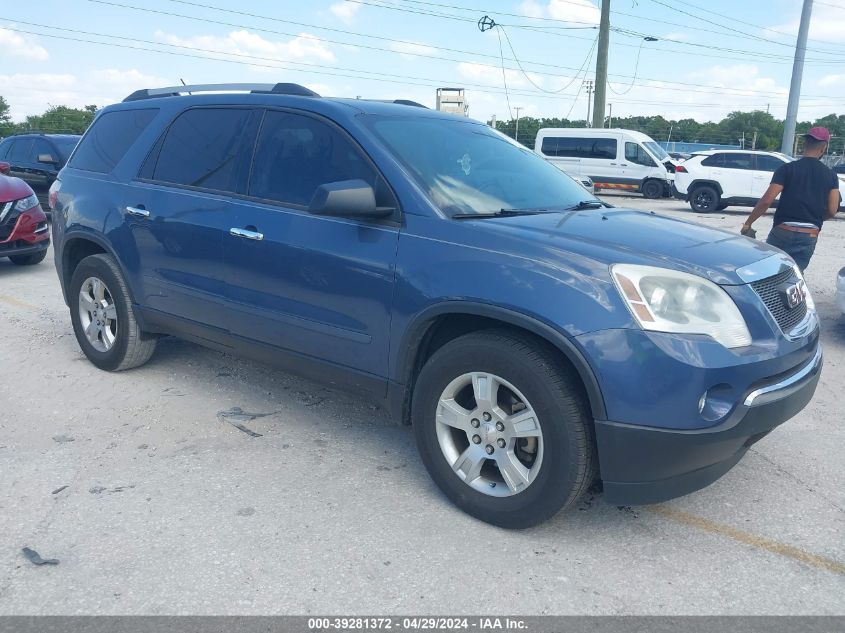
(6, 125)
(61, 120)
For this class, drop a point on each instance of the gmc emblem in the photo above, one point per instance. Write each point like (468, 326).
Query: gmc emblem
(794, 296)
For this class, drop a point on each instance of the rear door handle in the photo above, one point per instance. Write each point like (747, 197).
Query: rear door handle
(138, 212)
(249, 235)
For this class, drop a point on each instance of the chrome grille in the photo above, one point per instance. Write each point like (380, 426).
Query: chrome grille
(770, 291)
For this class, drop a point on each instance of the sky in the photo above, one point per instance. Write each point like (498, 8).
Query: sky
(711, 57)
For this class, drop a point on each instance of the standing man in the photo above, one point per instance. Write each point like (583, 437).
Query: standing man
(809, 195)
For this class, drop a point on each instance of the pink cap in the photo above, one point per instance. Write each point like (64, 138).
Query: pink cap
(819, 133)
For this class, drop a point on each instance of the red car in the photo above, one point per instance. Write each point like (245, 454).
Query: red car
(24, 234)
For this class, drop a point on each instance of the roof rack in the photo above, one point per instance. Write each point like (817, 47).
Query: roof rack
(175, 91)
(406, 102)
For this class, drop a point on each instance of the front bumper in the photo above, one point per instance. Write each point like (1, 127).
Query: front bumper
(642, 465)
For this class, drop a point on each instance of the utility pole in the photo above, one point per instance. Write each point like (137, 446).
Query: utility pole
(754, 140)
(610, 116)
(589, 84)
(516, 133)
(797, 72)
(601, 64)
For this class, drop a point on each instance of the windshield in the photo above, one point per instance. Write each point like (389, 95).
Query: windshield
(658, 151)
(66, 145)
(468, 168)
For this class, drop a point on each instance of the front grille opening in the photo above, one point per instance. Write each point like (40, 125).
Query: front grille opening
(769, 290)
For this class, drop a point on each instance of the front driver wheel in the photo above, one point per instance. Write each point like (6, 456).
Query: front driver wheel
(102, 317)
(502, 426)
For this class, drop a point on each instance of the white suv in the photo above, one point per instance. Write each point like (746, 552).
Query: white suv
(713, 180)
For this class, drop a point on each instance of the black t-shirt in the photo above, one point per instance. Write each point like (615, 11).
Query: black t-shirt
(807, 183)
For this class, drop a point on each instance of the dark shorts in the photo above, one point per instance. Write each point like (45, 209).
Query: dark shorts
(799, 246)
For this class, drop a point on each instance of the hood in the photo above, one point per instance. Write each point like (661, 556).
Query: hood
(628, 236)
(13, 189)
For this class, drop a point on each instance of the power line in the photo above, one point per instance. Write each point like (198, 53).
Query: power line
(392, 79)
(757, 54)
(356, 34)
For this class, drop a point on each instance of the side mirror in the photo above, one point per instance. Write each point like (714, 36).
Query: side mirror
(47, 158)
(347, 199)
(5, 168)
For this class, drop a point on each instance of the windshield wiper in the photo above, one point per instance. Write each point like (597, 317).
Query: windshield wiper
(501, 213)
(586, 204)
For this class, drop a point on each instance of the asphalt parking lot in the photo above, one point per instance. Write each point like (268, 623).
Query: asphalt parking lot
(155, 503)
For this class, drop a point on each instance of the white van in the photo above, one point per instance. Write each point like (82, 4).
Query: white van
(614, 159)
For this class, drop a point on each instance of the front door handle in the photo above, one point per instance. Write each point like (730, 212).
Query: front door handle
(138, 211)
(250, 235)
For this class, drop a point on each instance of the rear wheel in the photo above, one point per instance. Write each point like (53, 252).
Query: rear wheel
(704, 199)
(652, 189)
(28, 260)
(503, 428)
(102, 317)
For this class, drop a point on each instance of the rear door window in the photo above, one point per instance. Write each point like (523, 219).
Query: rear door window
(714, 160)
(21, 150)
(767, 163)
(579, 147)
(206, 148)
(739, 161)
(39, 147)
(296, 154)
(110, 136)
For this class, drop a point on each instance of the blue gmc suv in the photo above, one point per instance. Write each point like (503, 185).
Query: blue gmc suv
(535, 337)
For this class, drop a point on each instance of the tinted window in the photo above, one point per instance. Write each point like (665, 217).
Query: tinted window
(767, 163)
(20, 151)
(714, 160)
(739, 161)
(467, 167)
(65, 146)
(109, 138)
(4, 148)
(580, 147)
(636, 154)
(296, 154)
(202, 148)
(40, 146)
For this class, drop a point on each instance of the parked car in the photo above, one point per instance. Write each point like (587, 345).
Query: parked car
(716, 179)
(38, 158)
(535, 338)
(679, 156)
(24, 234)
(612, 158)
(839, 169)
(586, 182)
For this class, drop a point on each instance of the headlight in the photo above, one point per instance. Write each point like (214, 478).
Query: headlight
(664, 300)
(27, 203)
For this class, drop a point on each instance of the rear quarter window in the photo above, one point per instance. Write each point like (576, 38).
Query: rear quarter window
(109, 138)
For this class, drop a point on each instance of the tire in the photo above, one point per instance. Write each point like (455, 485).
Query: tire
(652, 189)
(722, 206)
(117, 343)
(28, 260)
(530, 374)
(704, 199)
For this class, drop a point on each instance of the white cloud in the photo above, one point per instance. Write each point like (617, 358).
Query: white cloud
(827, 23)
(575, 11)
(32, 93)
(345, 10)
(16, 45)
(409, 49)
(492, 76)
(531, 9)
(304, 47)
(832, 80)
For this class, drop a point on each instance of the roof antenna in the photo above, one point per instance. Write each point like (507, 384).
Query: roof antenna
(183, 83)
